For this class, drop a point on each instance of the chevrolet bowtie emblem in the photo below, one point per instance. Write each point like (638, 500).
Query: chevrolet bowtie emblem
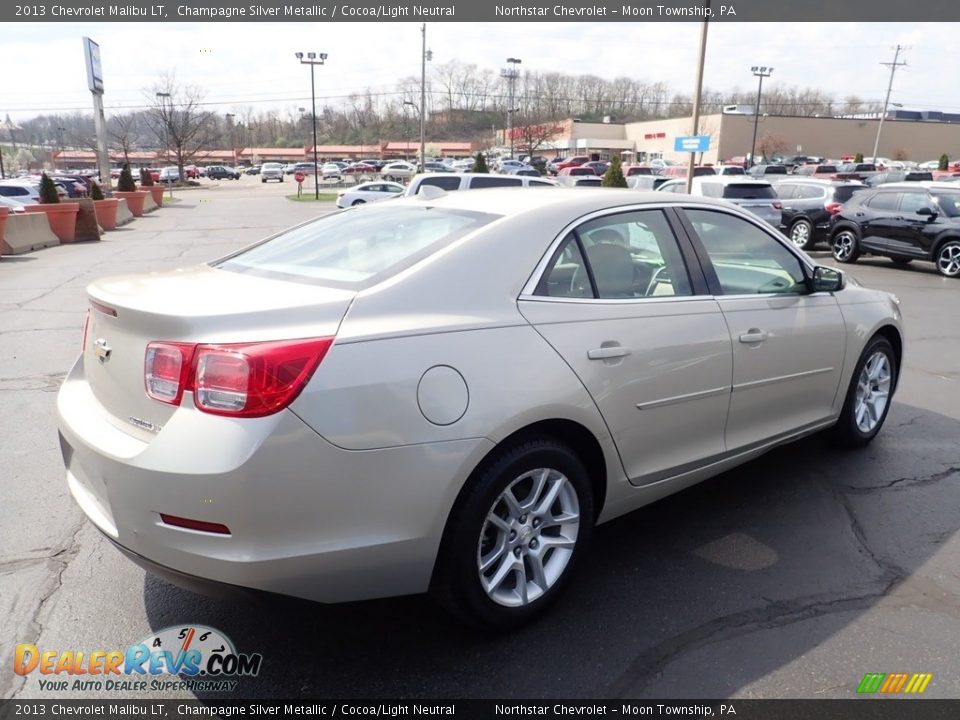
(102, 350)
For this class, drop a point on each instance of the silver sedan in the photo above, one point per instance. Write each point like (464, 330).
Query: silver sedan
(448, 393)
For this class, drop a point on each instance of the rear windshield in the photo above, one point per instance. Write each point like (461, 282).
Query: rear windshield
(949, 202)
(356, 249)
(494, 181)
(775, 170)
(745, 191)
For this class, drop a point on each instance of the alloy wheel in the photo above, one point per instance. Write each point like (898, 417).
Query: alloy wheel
(948, 260)
(844, 245)
(800, 234)
(873, 391)
(528, 537)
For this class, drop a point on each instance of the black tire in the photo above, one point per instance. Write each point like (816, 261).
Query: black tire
(359, 202)
(846, 432)
(948, 259)
(456, 584)
(801, 234)
(845, 245)
(263, 180)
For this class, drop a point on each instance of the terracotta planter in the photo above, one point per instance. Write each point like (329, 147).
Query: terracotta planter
(134, 200)
(106, 212)
(62, 218)
(4, 211)
(157, 192)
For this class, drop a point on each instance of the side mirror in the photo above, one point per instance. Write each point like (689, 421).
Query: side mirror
(827, 279)
(928, 212)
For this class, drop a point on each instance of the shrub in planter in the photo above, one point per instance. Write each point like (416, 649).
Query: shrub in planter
(146, 178)
(126, 183)
(480, 164)
(105, 208)
(613, 177)
(95, 192)
(48, 191)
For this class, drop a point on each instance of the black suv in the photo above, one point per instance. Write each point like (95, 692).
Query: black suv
(904, 222)
(222, 172)
(809, 204)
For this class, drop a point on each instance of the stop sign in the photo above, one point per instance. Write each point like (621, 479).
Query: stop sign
(299, 177)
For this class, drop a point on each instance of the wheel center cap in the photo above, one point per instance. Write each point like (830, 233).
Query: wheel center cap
(526, 534)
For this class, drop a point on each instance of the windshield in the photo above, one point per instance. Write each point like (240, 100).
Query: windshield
(352, 249)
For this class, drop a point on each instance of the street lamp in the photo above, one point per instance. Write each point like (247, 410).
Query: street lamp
(163, 97)
(312, 59)
(425, 55)
(760, 72)
(60, 131)
(233, 149)
(406, 127)
(511, 73)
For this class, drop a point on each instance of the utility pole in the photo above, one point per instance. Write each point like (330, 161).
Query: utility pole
(760, 72)
(697, 93)
(893, 69)
(511, 73)
(424, 56)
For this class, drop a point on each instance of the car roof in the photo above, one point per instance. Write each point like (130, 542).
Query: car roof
(928, 184)
(728, 180)
(806, 180)
(511, 201)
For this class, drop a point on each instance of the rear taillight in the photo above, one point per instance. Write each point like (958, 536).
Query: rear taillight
(832, 207)
(166, 371)
(238, 380)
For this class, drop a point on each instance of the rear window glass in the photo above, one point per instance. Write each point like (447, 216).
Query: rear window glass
(354, 249)
(494, 181)
(775, 170)
(843, 193)
(447, 183)
(884, 201)
(744, 191)
(541, 183)
(949, 203)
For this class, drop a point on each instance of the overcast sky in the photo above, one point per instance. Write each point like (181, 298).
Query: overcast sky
(252, 64)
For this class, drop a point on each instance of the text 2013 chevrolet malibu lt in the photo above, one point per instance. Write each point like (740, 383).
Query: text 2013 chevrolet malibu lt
(447, 393)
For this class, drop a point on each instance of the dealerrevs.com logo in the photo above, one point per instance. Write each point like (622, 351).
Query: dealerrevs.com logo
(204, 659)
(894, 683)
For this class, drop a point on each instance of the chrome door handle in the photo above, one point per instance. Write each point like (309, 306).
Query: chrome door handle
(605, 353)
(753, 336)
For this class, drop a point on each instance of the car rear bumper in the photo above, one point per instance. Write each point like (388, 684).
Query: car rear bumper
(305, 518)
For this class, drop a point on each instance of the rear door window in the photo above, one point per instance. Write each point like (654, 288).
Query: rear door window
(749, 191)
(494, 181)
(447, 183)
(883, 202)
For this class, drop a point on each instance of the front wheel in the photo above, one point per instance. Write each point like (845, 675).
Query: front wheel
(948, 259)
(868, 396)
(845, 246)
(801, 234)
(515, 535)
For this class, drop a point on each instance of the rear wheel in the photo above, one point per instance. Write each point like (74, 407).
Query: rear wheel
(516, 535)
(358, 202)
(948, 259)
(801, 234)
(868, 396)
(845, 246)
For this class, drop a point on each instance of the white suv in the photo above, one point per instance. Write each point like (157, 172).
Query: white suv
(474, 181)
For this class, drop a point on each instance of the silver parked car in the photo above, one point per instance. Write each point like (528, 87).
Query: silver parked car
(271, 171)
(756, 195)
(448, 392)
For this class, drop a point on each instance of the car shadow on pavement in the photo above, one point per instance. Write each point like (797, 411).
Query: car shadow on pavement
(698, 595)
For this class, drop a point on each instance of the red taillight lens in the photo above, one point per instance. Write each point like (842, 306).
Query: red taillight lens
(201, 525)
(832, 207)
(238, 380)
(166, 371)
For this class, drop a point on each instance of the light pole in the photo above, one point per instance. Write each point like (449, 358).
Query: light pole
(760, 72)
(511, 73)
(313, 59)
(406, 127)
(163, 97)
(233, 149)
(60, 131)
(425, 55)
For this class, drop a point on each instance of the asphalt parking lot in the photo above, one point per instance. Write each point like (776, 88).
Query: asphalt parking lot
(792, 576)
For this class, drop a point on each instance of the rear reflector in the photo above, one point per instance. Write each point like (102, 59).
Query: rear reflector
(189, 524)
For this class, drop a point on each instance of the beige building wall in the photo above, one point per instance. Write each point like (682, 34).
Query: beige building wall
(835, 137)
(600, 131)
(643, 135)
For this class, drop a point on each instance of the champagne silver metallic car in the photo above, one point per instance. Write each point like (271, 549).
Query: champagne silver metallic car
(448, 392)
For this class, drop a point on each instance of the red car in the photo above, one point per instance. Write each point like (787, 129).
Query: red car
(576, 170)
(191, 172)
(631, 170)
(575, 161)
(359, 168)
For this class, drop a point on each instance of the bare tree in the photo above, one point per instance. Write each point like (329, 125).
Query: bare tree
(122, 130)
(177, 117)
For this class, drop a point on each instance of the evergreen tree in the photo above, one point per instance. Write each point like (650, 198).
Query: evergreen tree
(126, 183)
(613, 177)
(480, 164)
(944, 163)
(48, 191)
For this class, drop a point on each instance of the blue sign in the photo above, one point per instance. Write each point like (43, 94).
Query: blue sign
(692, 143)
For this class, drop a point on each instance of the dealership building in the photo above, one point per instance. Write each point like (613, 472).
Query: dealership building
(731, 136)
